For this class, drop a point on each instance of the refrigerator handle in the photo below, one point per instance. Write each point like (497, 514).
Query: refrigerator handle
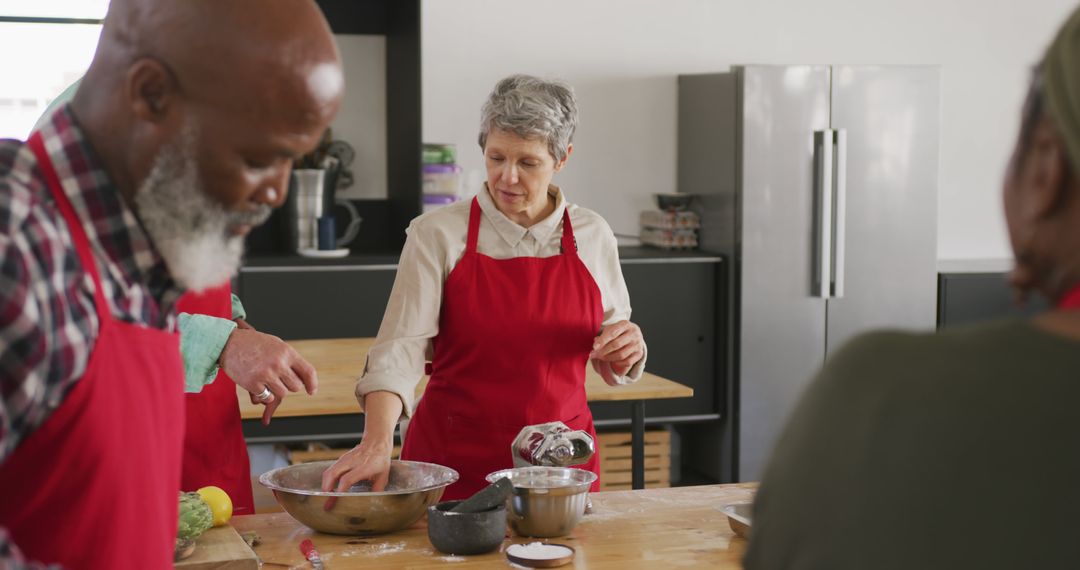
(839, 211)
(823, 212)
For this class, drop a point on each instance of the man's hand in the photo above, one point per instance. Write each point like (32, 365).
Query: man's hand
(255, 360)
(619, 344)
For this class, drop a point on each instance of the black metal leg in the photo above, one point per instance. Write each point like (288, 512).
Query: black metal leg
(637, 444)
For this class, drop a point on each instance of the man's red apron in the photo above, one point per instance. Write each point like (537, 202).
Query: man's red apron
(514, 338)
(96, 485)
(214, 448)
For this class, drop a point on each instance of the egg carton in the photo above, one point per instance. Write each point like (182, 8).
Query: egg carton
(669, 220)
(669, 239)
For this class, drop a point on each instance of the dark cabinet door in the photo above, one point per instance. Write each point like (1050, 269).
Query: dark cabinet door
(675, 304)
(313, 302)
(967, 298)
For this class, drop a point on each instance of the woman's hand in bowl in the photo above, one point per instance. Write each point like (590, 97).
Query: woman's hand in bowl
(369, 461)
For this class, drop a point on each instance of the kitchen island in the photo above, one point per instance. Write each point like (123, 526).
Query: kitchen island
(652, 528)
(339, 363)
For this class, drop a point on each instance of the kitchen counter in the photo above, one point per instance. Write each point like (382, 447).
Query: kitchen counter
(388, 260)
(627, 529)
(339, 363)
(994, 265)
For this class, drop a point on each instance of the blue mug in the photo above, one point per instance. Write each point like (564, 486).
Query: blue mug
(327, 233)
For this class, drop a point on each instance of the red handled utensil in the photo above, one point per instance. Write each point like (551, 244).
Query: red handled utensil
(312, 555)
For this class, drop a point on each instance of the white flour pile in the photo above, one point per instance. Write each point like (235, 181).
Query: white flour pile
(539, 551)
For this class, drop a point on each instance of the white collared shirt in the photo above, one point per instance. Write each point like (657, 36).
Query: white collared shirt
(436, 242)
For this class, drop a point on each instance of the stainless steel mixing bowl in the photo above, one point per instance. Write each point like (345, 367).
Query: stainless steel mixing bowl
(546, 501)
(413, 487)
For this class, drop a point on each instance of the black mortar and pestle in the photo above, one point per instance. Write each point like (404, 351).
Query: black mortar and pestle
(474, 526)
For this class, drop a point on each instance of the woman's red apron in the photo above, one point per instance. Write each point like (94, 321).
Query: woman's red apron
(214, 448)
(96, 485)
(514, 339)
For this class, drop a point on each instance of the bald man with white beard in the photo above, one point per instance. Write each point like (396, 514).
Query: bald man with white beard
(179, 140)
(218, 342)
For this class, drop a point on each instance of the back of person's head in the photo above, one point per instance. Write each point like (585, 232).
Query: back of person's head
(1042, 191)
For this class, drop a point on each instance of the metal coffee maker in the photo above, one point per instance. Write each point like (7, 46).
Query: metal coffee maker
(309, 205)
(552, 445)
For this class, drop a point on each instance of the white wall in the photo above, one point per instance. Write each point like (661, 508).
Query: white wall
(622, 57)
(362, 119)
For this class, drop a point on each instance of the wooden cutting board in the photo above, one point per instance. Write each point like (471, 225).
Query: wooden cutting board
(220, 548)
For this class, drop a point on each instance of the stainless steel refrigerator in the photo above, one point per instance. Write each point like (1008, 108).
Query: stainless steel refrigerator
(820, 184)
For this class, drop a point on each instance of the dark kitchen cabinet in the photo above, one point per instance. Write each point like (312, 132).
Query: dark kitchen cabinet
(675, 301)
(968, 298)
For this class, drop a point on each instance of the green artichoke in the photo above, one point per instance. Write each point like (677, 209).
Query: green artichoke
(195, 516)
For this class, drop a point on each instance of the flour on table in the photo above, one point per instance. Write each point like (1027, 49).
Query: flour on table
(385, 548)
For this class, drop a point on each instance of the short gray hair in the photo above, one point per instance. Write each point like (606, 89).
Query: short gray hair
(532, 108)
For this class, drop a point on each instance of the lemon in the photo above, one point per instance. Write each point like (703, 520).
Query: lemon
(219, 501)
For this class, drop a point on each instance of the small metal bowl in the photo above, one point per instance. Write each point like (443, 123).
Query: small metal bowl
(673, 202)
(546, 501)
(413, 487)
(739, 518)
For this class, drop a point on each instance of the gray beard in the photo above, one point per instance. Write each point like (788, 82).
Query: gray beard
(189, 228)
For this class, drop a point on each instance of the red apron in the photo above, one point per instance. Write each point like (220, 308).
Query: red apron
(96, 485)
(514, 338)
(214, 448)
(1071, 299)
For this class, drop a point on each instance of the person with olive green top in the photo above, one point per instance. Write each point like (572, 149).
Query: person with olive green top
(959, 449)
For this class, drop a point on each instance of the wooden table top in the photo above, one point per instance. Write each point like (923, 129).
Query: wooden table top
(340, 361)
(649, 528)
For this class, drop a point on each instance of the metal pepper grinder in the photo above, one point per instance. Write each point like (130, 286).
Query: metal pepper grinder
(552, 445)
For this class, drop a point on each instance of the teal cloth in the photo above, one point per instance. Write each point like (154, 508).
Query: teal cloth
(238, 311)
(65, 96)
(202, 338)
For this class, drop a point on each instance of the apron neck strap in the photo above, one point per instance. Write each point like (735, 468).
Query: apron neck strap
(474, 226)
(569, 244)
(78, 234)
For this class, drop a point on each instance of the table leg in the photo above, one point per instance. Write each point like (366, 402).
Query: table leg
(637, 444)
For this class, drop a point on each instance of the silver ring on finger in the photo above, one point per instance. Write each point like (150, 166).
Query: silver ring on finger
(265, 395)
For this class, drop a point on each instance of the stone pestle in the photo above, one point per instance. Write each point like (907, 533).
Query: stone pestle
(487, 498)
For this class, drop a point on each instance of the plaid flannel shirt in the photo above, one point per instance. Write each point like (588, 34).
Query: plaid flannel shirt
(47, 319)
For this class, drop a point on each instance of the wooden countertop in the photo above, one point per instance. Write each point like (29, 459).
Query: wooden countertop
(651, 528)
(340, 361)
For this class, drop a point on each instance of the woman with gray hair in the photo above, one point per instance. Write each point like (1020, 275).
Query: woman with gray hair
(508, 296)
